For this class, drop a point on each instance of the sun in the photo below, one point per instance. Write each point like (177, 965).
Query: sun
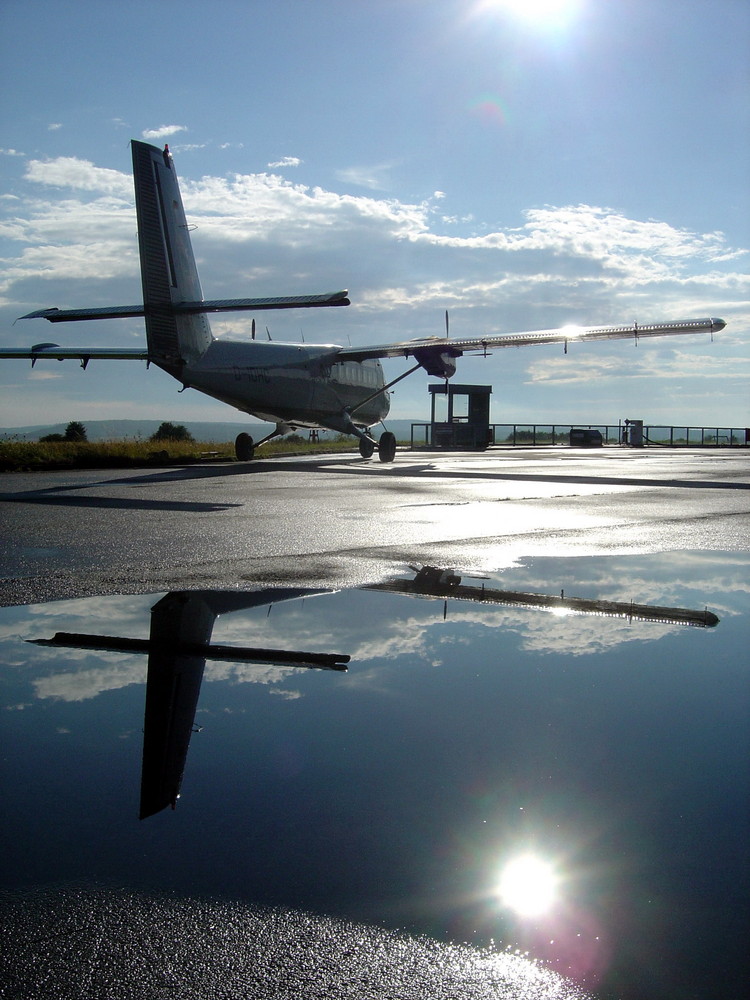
(528, 885)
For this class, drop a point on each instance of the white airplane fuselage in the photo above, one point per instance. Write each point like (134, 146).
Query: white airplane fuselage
(296, 384)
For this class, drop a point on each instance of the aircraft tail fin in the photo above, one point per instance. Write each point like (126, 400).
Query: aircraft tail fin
(168, 272)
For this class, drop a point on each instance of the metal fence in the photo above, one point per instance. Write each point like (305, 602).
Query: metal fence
(537, 435)
(550, 434)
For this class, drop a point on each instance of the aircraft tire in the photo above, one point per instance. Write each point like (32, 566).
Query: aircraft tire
(244, 447)
(366, 447)
(387, 447)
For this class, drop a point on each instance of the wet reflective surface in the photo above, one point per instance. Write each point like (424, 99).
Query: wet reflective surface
(567, 779)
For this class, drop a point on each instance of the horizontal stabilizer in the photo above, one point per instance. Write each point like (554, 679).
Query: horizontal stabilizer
(279, 302)
(55, 315)
(82, 354)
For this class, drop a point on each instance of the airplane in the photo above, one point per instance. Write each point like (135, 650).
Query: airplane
(291, 385)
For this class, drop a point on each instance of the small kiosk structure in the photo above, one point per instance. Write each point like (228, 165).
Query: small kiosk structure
(460, 416)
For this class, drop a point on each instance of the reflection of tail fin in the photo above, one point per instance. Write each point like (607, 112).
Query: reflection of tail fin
(168, 270)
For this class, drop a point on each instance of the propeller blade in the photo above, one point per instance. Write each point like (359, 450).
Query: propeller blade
(252, 329)
(447, 328)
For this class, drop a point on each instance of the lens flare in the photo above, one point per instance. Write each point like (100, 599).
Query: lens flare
(535, 11)
(528, 886)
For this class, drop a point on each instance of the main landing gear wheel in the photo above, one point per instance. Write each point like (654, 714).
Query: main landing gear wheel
(366, 447)
(387, 447)
(244, 447)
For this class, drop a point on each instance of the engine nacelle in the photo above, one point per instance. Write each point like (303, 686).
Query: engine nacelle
(438, 361)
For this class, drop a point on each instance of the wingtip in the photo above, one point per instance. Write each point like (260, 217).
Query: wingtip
(40, 313)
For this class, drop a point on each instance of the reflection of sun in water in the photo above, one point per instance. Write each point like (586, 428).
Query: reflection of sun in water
(528, 885)
(559, 612)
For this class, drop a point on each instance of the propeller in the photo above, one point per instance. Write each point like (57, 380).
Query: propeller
(447, 326)
(252, 329)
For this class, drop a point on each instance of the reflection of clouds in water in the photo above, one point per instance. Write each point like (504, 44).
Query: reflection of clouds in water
(421, 634)
(247, 673)
(572, 635)
(124, 669)
(120, 670)
(377, 627)
(536, 630)
(343, 623)
(579, 635)
(666, 578)
(127, 614)
(108, 671)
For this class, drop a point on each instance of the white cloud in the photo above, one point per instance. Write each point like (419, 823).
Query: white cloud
(372, 177)
(566, 255)
(81, 175)
(54, 126)
(187, 147)
(11, 152)
(679, 364)
(286, 161)
(163, 131)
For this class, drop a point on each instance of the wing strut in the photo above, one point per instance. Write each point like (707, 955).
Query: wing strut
(385, 388)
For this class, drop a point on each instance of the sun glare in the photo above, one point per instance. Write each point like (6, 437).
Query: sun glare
(534, 11)
(528, 886)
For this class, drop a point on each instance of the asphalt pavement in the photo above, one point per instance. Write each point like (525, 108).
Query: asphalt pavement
(339, 521)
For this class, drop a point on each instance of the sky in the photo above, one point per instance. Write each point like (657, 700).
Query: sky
(522, 165)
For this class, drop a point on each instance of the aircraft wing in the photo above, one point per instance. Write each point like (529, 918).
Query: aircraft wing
(55, 315)
(456, 346)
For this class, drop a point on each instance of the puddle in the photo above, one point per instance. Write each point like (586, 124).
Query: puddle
(383, 755)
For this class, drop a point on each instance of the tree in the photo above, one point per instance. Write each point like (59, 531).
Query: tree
(172, 432)
(75, 431)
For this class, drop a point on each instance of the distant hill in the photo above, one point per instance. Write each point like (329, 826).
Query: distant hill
(141, 430)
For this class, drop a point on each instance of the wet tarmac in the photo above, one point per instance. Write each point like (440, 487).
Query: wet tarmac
(348, 700)
(341, 521)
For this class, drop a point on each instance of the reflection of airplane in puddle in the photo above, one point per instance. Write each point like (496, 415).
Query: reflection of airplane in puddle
(292, 385)
(431, 582)
(178, 646)
(180, 643)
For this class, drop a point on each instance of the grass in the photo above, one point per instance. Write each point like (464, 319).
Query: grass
(33, 456)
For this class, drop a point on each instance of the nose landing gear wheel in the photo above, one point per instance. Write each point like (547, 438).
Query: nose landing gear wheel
(244, 447)
(387, 447)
